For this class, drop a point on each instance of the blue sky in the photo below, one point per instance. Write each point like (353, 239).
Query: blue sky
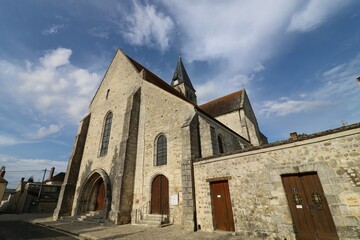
(298, 61)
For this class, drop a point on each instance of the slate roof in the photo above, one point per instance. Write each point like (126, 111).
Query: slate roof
(181, 75)
(225, 104)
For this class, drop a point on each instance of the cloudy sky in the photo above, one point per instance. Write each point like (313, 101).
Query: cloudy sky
(298, 61)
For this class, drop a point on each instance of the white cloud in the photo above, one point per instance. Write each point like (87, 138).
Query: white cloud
(51, 86)
(338, 90)
(52, 30)
(285, 106)
(240, 32)
(43, 132)
(314, 13)
(9, 140)
(238, 37)
(16, 168)
(99, 32)
(146, 25)
(56, 58)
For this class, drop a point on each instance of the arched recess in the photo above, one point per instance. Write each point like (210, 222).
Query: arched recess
(95, 194)
(160, 195)
(221, 144)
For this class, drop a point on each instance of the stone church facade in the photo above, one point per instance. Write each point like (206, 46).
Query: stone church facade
(147, 149)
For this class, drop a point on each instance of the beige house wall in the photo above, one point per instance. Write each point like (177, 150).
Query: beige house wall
(258, 199)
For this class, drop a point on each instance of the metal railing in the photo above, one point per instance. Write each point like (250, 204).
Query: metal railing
(142, 211)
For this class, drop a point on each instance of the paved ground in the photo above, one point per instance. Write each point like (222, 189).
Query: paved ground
(17, 230)
(90, 230)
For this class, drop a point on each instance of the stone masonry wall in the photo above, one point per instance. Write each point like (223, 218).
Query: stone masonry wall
(66, 196)
(160, 113)
(120, 82)
(209, 130)
(258, 199)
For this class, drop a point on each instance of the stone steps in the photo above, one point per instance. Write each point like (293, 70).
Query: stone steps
(92, 216)
(154, 220)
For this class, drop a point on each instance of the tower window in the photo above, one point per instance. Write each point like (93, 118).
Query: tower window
(106, 134)
(107, 93)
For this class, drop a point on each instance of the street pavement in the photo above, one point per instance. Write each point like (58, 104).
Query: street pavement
(17, 227)
(92, 230)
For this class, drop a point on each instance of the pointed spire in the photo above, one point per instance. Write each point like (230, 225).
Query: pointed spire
(180, 75)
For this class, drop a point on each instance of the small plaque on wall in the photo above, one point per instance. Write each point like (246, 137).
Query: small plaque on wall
(174, 199)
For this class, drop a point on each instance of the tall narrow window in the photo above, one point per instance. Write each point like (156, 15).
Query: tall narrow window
(161, 150)
(220, 143)
(107, 93)
(106, 134)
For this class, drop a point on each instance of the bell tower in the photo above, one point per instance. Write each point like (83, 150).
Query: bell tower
(181, 82)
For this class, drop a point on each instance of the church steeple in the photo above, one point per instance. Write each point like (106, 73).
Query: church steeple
(182, 83)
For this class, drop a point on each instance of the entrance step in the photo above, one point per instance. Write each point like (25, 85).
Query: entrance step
(154, 220)
(92, 216)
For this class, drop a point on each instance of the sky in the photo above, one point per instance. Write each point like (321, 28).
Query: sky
(298, 61)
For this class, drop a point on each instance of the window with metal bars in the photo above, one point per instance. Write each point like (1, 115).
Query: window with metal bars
(161, 151)
(106, 134)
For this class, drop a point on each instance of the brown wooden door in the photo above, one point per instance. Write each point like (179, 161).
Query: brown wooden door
(222, 209)
(160, 195)
(309, 208)
(100, 198)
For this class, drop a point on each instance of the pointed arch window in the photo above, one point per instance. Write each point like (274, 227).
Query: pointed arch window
(161, 150)
(221, 145)
(106, 134)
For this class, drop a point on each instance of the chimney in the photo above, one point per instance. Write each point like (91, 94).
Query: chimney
(51, 174)
(22, 185)
(294, 136)
(2, 171)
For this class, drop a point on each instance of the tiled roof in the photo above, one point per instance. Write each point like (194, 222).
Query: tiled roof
(225, 104)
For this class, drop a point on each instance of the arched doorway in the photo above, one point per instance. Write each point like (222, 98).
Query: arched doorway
(160, 195)
(95, 194)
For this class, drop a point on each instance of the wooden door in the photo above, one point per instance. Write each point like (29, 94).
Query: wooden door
(309, 208)
(100, 198)
(222, 210)
(160, 195)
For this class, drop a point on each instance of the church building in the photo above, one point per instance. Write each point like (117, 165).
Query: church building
(147, 152)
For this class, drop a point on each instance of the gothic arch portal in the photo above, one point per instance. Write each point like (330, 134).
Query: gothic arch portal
(95, 194)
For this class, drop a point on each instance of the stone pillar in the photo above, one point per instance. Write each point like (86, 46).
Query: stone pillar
(190, 150)
(66, 196)
(124, 166)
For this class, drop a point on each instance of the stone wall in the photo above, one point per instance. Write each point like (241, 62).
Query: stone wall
(209, 129)
(66, 196)
(258, 199)
(160, 113)
(115, 94)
